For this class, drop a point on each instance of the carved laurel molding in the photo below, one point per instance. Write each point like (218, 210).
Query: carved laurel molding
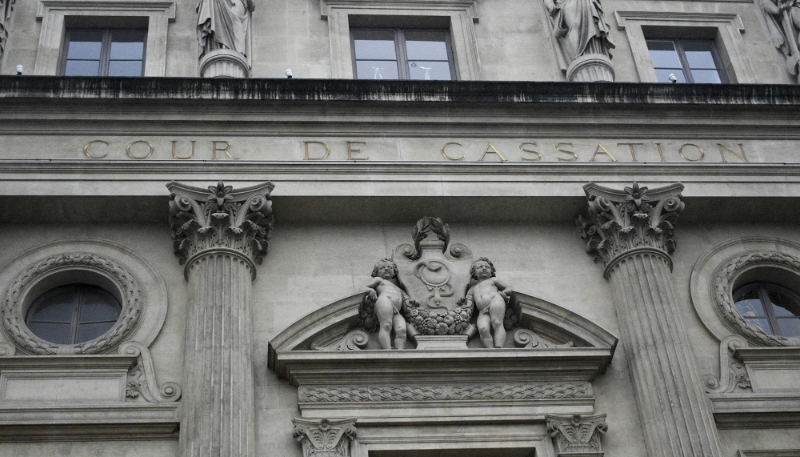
(733, 376)
(722, 283)
(620, 222)
(128, 284)
(444, 392)
(142, 379)
(577, 435)
(221, 219)
(325, 438)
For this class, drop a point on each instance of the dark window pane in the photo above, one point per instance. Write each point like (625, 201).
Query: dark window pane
(125, 68)
(663, 75)
(376, 69)
(750, 306)
(763, 324)
(129, 47)
(663, 54)
(374, 44)
(429, 70)
(426, 45)
(85, 44)
(82, 68)
(706, 76)
(783, 305)
(54, 312)
(88, 332)
(54, 333)
(99, 312)
(789, 326)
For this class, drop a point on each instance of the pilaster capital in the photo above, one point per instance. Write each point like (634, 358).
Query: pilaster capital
(220, 219)
(634, 219)
(577, 436)
(325, 438)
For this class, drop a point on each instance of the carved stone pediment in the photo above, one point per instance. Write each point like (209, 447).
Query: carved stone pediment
(340, 373)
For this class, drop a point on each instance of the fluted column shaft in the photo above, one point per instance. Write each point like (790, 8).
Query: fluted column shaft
(219, 235)
(218, 406)
(673, 409)
(631, 232)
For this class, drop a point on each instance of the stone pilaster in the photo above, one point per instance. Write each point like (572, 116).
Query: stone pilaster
(220, 235)
(631, 232)
(325, 438)
(577, 436)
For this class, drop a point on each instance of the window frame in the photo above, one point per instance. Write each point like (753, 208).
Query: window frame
(763, 289)
(725, 29)
(76, 319)
(55, 13)
(105, 48)
(460, 16)
(401, 50)
(686, 68)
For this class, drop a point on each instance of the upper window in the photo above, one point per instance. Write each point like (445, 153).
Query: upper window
(686, 61)
(771, 308)
(104, 52)
(395, 53)
(73, 314)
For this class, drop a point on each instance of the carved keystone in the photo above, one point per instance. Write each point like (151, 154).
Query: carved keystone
(621, 222)
(325, 438)
(220, 219)
(577, 436)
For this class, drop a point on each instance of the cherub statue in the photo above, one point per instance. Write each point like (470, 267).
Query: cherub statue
(490, 296)
(387, 298)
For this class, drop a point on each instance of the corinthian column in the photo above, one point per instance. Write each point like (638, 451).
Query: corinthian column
(631, 232)
(219, 235)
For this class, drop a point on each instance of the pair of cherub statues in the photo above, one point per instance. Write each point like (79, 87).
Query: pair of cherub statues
(487, 293)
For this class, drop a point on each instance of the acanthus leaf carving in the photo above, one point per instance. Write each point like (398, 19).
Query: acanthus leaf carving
(577, 434)
(220, 218)
(325, 438)
(353, 340)
(528, 339)
(619, 222)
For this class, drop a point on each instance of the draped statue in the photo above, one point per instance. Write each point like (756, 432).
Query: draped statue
(224, 24)
(580, 30)
(783, 22)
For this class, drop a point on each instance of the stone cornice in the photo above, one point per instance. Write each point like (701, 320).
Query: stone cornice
(173, 89)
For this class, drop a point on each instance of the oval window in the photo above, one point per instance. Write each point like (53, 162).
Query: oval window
(73, 314)
(770, 307)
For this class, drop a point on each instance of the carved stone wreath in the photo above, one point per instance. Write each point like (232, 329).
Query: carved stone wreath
(722, 282)
(130, 289)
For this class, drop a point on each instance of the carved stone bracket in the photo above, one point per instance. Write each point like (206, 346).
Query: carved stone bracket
(127, 283)
(220, 219)
(325, 438)
(142, 379)
(577, 436)
(637, 218)
(733, 376)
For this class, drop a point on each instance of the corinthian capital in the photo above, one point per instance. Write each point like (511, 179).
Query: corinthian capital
(325, 438)
(619, 221)
(577, 435)
(220, 218)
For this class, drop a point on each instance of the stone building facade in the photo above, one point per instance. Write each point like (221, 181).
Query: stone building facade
(458, 228)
